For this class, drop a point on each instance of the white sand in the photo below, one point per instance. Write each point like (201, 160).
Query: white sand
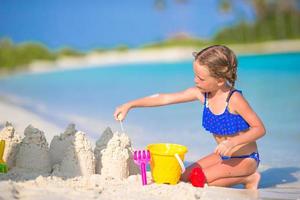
(113, 153)
(33, 155)
(78, 156)
(98, 187)
(173, 54)
(101, 144)
(22, 117)
(61, 143)
(22, 183)
(74, 173)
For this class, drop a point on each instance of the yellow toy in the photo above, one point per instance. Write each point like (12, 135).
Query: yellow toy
(3, 166)
(167, 162)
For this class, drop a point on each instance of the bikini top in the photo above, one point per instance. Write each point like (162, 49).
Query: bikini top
(223, 124)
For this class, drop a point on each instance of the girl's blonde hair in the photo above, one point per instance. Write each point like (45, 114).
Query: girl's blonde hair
(221, 62)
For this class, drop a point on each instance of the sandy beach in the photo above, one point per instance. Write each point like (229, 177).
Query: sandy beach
(45, 168)
(173, 54)
(33, 181)
(21, 118)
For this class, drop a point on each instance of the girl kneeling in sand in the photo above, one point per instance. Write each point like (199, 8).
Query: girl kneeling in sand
(226, 114)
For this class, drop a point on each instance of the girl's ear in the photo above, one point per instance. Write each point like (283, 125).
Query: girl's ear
(221, 81)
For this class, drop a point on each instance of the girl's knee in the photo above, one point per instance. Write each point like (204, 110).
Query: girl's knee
(208, 161)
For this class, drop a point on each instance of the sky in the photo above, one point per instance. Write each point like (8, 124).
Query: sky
(86, 25)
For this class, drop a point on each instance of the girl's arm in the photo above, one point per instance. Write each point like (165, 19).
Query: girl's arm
(256, 130)
(190, 94)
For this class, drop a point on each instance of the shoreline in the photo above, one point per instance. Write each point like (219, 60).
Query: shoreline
(151, 55)
(276, 183)
(21, 118)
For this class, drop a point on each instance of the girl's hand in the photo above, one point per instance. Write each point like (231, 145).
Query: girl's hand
(224, 148)
(121, 112)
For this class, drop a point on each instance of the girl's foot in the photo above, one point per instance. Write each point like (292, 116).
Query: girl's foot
(252, 181)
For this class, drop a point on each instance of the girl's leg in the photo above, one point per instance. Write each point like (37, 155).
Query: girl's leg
(232, 168)
(205, 162)
(250, 182)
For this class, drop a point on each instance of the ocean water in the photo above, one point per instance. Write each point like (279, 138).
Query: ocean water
(88, 97)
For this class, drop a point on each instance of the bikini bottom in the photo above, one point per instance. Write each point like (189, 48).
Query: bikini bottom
(253, 155)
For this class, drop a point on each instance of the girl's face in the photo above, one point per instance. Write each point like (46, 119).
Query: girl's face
(203, 80)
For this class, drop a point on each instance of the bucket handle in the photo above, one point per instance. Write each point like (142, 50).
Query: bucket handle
(180, 163)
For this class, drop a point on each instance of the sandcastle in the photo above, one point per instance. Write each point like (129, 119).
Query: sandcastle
(60, 144)
(113, 154)
(70, 154)
(33, 154)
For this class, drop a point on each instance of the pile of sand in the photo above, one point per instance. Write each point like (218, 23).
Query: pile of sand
(95, 187)
(33, 154)
(60, 144)
(113, 153)
(12, 141)
(99, 187)
(101, 144)
(72, 154)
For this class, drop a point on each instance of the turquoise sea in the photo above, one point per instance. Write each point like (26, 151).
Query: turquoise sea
(88, 97)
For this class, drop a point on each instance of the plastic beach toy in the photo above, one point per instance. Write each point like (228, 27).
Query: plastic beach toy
(167, 162)
(142, 158)
(3, 166)
(197, 177)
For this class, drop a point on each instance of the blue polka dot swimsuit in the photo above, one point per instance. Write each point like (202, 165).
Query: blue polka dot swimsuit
(223, 124)
(226, 124)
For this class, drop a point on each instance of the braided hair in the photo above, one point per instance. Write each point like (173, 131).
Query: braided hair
(221, 62)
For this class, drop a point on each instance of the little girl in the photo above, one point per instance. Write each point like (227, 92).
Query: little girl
(226, 115)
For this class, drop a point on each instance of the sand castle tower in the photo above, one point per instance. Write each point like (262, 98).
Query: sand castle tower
(60, 144)
(72, 154)
(113, 153)
(33, 154)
